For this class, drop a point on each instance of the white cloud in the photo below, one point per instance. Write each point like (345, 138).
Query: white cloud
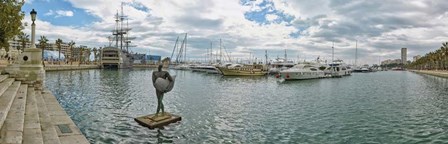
(381, 27)
(271, 17)
(59, 13)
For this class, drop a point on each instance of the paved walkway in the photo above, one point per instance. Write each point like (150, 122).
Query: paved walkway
(33, 117)
(433, 72)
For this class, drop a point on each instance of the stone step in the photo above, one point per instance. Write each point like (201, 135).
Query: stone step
(12, 130)
(66, 129)
(3, 77)
(49, 133)
(32, 133)
(5, 84)
(6, 100)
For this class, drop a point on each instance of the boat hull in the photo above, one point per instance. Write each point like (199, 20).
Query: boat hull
(241, 72)
(301, 75)
(114, 58)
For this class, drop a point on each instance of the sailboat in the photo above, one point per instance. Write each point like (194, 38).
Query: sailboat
(181, 53)
(118, 56)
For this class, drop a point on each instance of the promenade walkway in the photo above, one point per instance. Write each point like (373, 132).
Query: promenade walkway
(57, 67)
(432, 72)
(31, 116)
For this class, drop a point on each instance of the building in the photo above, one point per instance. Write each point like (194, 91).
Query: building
(77, 52)
(389, 61)
(65, 48)
(404, 55)
(15, 44)
(415, 58)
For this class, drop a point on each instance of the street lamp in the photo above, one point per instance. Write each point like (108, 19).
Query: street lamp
(33, 14)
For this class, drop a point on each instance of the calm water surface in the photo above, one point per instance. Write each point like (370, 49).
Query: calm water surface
(381, 107)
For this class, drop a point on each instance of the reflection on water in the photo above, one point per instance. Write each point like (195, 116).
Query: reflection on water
(382, 107)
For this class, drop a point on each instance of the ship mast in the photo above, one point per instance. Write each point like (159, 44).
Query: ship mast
(332, 53)
(116, 29)
(185, 56)
(211, 52)
(356, 54)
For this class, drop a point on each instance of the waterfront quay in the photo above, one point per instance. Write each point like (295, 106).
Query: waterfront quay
(29, 115)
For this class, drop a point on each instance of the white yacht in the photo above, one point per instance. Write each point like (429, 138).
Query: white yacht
(363, 69)
(338, 69)
(303, 71)
(210, 69)
(183, 67)
(280, 64)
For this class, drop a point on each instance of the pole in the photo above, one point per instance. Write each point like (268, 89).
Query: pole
(332, 60)
(266, 55)
(33, 35)
(211, 52)
(185, 56)
(356, 54)
(220, 51)
(286, 57)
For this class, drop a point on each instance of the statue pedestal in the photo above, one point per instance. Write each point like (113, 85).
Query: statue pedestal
(28, 68)
(151, 121)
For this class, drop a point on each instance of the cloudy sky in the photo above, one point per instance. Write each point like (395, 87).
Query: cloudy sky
(306, 29)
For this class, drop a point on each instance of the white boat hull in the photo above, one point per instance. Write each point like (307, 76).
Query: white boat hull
(301, 75)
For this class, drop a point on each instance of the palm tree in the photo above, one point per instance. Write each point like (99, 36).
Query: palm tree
(43, 44)
(23, 38)
(94, 54)
(58, 44)
(88, 56)
(71, 44)
(81, 50)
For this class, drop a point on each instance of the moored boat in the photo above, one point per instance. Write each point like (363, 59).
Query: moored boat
(303, 72)
(244, 70)
(280, 64)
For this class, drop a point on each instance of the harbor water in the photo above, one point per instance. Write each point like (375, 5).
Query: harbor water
(380, 107)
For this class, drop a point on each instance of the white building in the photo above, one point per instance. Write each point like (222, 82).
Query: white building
(15, 44)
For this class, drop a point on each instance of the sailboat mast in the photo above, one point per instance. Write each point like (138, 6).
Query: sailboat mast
(174, 49)
(220, 51)
(286, 57)
(211, 52)
(185, 56)
(207, 56)
(356, 54)
(332, 53)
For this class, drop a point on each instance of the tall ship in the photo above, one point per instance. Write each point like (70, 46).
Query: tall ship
(118, 56)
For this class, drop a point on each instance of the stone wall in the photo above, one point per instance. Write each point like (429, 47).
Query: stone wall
(69, 67)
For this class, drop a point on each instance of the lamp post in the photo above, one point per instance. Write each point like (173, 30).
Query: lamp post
(33, 28)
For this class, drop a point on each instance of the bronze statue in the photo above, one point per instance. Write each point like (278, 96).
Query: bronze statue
(160, 92)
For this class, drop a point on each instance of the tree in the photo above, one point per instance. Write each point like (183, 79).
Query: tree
(23, 38)
(43, 44)
(10, 21)
(71, 44)
(81, 50)
(87, 56)
(58, 44)
(94, 53)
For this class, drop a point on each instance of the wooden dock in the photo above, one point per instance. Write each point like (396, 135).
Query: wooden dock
(151, 121)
